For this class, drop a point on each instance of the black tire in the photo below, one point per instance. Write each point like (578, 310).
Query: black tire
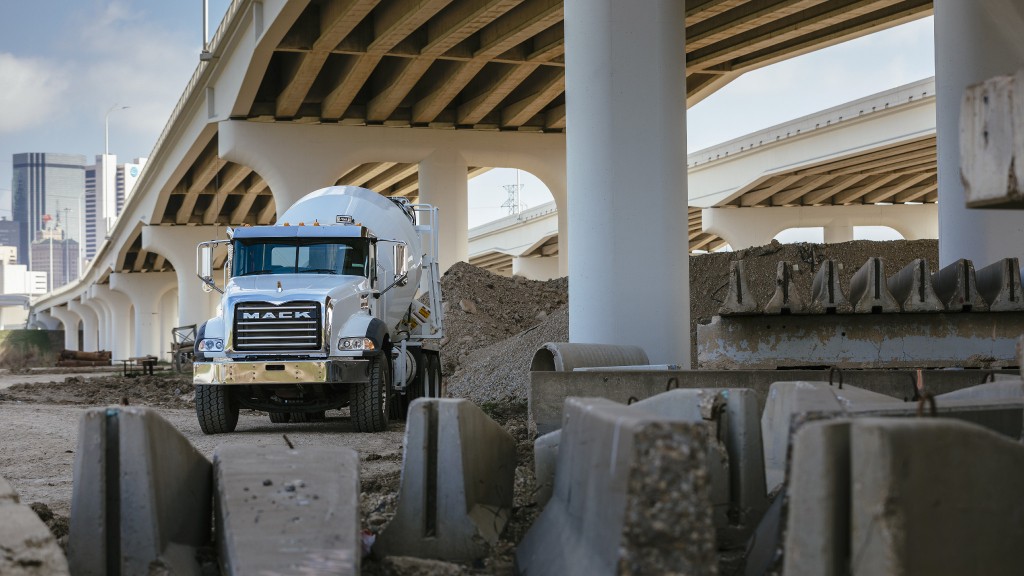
(418, 387)
(300, 417)
(316, 416)
(436, 389)
(280, 417)
(216, 408)
(371, 400)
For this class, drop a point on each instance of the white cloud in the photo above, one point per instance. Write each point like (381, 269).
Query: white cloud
(32, 91)
(136, 63)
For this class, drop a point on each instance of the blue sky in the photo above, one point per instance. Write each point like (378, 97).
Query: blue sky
(64, 63)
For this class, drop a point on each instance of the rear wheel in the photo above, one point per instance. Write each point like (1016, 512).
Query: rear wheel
(280, 417)
(316, 416)
(371, 401)
(216, 408)
(436, 387)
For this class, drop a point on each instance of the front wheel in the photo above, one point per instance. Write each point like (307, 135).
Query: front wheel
(216, 408)
(370, 402)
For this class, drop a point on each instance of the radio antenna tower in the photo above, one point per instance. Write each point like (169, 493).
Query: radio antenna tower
(512, 203)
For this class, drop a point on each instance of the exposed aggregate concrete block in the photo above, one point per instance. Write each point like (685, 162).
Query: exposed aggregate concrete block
(27, 548)
(650, 476)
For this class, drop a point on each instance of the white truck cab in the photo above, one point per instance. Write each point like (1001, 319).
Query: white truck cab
(337, 304)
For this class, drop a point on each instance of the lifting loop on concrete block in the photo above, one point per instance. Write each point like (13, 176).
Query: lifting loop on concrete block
(835, 370)
(672, 384)
(915, 391)
(988, 376)
(926, 396)
(631, 400)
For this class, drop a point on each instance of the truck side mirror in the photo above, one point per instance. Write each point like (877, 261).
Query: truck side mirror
(204, 265)
(401, 265)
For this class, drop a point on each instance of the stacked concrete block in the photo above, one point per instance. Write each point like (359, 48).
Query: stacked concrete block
(287, 511)
(27, 548)
(826, 292)
(545, 462)
(735, 453)
(790, 400)
(631, 496)
(956, 287)
(141, 496)
(788, 298)
(912, 288)
(869, 289)
(894, 496)
(992, 142)
(739, 300)
(457, 480)
(999, 284)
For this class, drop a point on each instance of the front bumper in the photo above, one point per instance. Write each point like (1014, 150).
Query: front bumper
(348, 371)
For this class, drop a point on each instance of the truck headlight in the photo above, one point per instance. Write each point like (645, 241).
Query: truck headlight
(211, 345)
(356, 344)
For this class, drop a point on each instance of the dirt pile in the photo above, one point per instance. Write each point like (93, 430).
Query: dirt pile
(164, 390)
(484, 366)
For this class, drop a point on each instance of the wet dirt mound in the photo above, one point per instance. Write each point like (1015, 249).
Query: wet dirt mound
(162, 390)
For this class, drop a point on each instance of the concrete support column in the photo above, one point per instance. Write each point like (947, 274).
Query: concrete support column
(443, 183)
(178, 244)
(558, 192)
(70, 321)
(103, 317)
(47, 320)
(746, 227)
(90, 325)
(837, 234)
(626, 169)
(538, 268)
(145, 292)
(974, 41)
(119, 328)
(293, 162)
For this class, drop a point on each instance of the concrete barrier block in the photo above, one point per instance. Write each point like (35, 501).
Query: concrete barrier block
(788, 399)
(739, 300)
(788, 297)
(869, 289)
(934, 496)
(992, 143)
(817, 534)
(826, 292)
(545, 462)
(912, 288)
(141, 496)
(287, 511)
(956, 286)
(27, 548)
(632, 496)
(735, 453)
(1004, 388)
(999, 285)
(457, 480)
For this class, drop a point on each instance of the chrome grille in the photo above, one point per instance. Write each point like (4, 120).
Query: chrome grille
(266, 327)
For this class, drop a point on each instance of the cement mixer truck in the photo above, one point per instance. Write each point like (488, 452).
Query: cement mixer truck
(336, 305)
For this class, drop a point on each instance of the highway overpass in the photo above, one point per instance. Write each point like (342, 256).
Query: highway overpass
(414, 96)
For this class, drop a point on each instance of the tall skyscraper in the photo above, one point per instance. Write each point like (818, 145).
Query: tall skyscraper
(107, 186)
(51, 185)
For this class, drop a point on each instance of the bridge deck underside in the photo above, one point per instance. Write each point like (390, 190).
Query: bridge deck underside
(898, 174)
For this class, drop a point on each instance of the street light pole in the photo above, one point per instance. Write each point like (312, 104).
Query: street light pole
(106, 127)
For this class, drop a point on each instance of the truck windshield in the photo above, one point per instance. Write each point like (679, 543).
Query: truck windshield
(344, 256)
